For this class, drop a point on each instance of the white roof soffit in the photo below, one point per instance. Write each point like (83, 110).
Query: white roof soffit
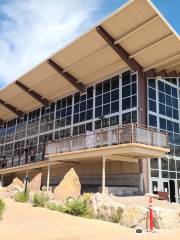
(137, 26)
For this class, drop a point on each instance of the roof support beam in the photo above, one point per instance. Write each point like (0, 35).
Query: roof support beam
(33, 94)
(131, 62)
(11, 108)
(71, 79)
(148, 47)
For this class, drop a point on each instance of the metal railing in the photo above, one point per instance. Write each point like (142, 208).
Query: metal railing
(109, 136)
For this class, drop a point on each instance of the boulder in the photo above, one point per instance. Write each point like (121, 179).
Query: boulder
(16, 185)
(165, 218)
(134, 216)
(69, 187)
(110, 211)
(35, 183)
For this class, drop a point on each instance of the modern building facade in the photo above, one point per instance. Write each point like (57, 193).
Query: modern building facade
(107, 104)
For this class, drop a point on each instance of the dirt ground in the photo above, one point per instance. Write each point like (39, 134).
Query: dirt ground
(22, 221)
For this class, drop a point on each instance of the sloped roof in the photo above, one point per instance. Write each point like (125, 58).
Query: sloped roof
(137, 26)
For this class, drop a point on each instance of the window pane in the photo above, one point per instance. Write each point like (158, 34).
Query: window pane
(164, 164)
(126, 103)
(152, 120)
(115, 107)
(154, 163)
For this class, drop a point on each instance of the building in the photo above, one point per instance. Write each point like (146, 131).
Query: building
(107, 104)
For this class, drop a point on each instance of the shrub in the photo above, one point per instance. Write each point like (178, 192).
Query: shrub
(40, 199)
(21, 197)
(78, 207)
(56, 207)
(2, 207)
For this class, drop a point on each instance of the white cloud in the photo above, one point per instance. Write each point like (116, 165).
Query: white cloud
(31, 30)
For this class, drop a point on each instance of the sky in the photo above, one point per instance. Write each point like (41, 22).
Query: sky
(32, 30)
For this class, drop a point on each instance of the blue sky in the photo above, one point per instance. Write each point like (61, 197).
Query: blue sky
(31, 31)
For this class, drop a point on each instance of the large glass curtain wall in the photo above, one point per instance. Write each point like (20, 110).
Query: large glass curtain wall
(108, 103)
(163, 114)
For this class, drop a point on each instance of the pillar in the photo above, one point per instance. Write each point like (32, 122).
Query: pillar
(103, 175)
(48, 175)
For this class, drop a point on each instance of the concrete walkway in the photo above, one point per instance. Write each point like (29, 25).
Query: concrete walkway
(23, 222)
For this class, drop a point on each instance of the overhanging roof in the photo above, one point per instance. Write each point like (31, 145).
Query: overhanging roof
(137, 26)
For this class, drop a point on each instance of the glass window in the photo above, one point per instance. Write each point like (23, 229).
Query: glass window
(115, 107)
(161, 86)
(126, 103)
(106, 109)
(98, 89)
(152, 93)
(126, 78)
(152, 105)
(114, 120)
(152, 120)
(154, 163)
(164, 164)
(106, 86)
(152, 83)
(162, 123)
(126, 91)
(126, 118)
(172, 165)
(115, 82)
(98, 112)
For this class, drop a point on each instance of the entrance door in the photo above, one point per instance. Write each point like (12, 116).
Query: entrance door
(172, 196)
(165, 186)
(155, 187)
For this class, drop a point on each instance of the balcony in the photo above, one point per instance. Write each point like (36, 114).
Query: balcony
(126, 135)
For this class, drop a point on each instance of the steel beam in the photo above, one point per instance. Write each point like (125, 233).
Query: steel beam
(131, 62)
(33, 94)
(11, 108)
(71, 79)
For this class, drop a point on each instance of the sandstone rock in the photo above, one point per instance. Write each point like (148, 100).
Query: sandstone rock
(15, 186)
(69, 187)
(110, 211)
(134, 216)
(165, 218)
(35, 184)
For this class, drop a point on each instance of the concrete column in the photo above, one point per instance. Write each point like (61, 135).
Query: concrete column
(103, 175)
(48, 175)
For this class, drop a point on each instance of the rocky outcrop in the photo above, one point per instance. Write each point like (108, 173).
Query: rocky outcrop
(35, 184)
(134, 216)
(110, 208)
(69, 187)
(165, 218)
(107, 209)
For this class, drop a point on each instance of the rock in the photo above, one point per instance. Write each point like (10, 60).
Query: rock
(15, 186)
(134, 216)
(165, 218)
(69, 187)
(35, 184)
(110, 211)
(17, 182)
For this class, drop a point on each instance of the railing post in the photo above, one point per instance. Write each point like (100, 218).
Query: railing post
(132, 133)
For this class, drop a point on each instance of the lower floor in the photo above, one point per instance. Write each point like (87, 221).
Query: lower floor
(121, 177)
